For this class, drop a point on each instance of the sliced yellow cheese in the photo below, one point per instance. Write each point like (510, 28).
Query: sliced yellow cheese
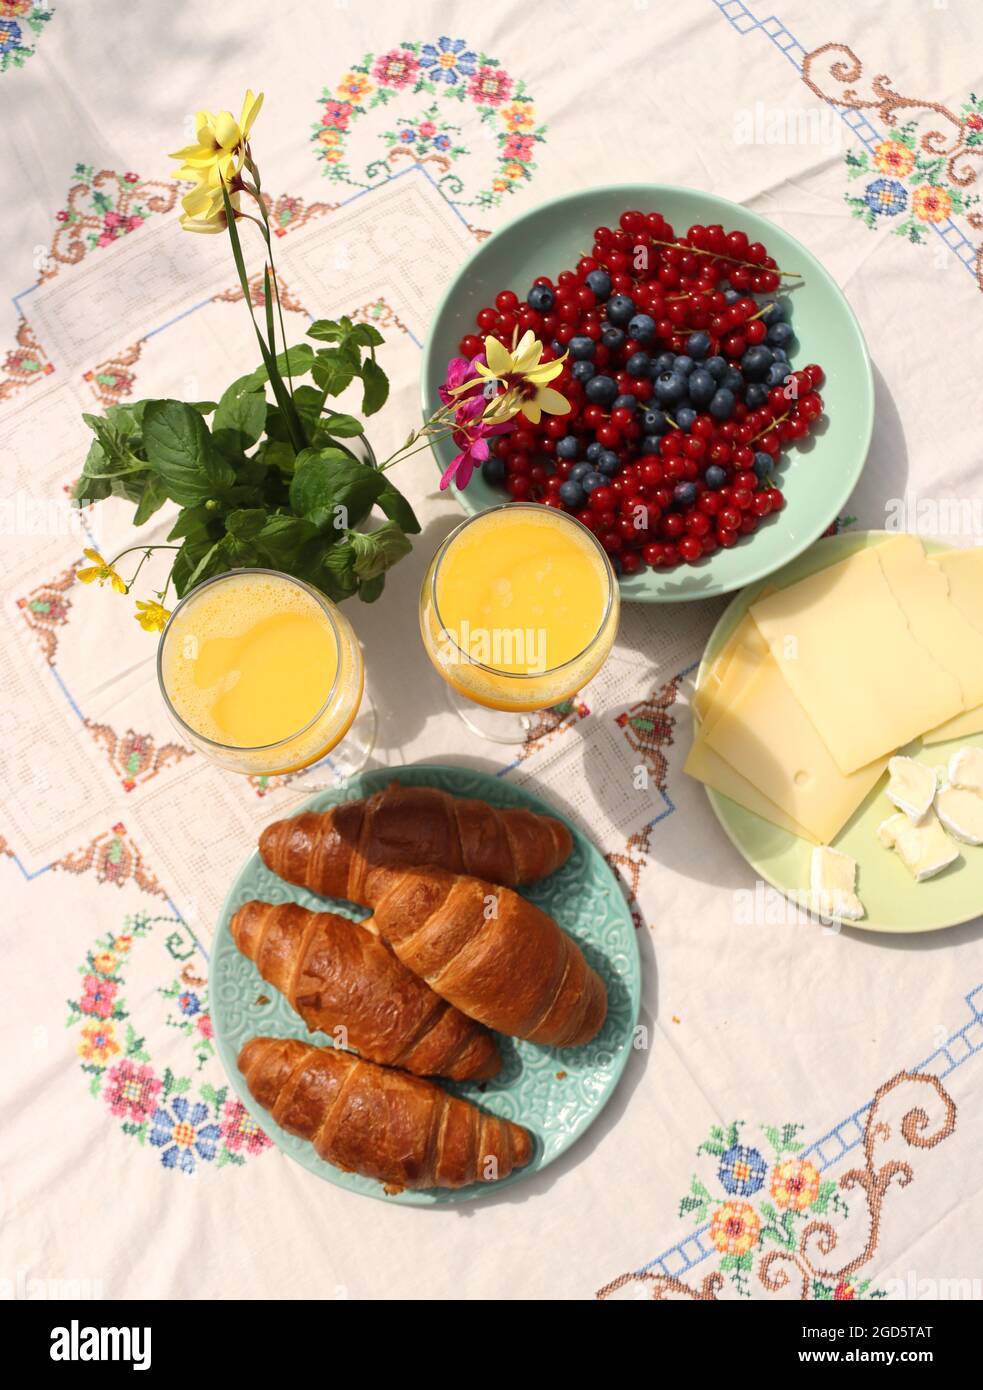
(961, 727)
(935, 617)
(710, 768)
(963, 570)
(746, 634)
(842, 642)
(767, 738)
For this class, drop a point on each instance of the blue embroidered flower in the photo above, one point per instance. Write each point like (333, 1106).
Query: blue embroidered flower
(10, 35)
(886, 196)
(181, 1134)
(407, 136)
(442, 142)
(742, 1171)
(189, 1003)
(448, 60)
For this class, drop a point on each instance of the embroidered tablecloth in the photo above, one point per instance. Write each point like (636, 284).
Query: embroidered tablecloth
(782, 1067)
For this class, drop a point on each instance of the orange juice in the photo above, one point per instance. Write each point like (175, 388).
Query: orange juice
(263, 673)
(520, 607)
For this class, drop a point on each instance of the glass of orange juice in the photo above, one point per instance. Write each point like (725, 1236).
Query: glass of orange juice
(518, 611)
(263, 675)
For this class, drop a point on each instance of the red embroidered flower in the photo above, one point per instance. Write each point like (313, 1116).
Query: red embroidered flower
(131, 178)
(240, 1130)
(490, 86)
(337, 114)
(97, 996)
(131, 1091)
(844, 1291)
(397, 68)
(518, 147)
(204, 1026)
(975, 122)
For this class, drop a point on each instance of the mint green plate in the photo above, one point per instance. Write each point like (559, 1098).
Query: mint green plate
(894, 901)
(557, 1093)
(816, 480)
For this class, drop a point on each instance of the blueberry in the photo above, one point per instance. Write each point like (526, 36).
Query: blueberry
(638, 364)
(773, 313)
(733, 380)
(621, 310)
(663, 363)
(731, 296)
(763, 464)
(592, 480)
(541, 298)
(779, 354)
(580, 470)
(701, 387)
(775, 375)
(581, 347)
(568, 447)
(651, 443)
(557, 347)
(722, 405)
(684, 365)
(600, 282)
(642, 328)
(493, 470)
(684, 494)
(669, 388)
(609, 464)
(655, 422)
(755, 362)
(593, 451)
(715, 476)
(717, 367)
(780, 335)
(698, 344)
(685, 417)
(601, 390)
(756, 395)
(613, 338)
(582, 371)
(572, 494)
(625, 402)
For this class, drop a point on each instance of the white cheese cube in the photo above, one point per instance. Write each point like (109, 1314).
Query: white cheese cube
(961, 812)
(832, 880)
(925, 849)
(966, 769)
(912, 786)
(889, 830)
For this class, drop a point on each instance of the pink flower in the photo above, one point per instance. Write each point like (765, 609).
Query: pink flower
(204, 1025)
(491, 86)
(133, 222)
(61, 216)
(397, 68)
(459, 370)
(518, 147)
(98, 995)
(427, 128)
(106, 239)
(240, 1130)
(472, 439)
(131, 1091)
(337, 114)
(113, 219)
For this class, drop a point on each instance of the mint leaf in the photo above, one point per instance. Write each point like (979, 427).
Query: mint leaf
(342, 426)
(180, 451)
(376, 550)
(394, 504)
(152, 499)
(375, 387)
(370, 589)
(240, 417)
(246, 523)
(297, 358)
(333, 370)
(333, 490)
(282, 538)
(365, 334)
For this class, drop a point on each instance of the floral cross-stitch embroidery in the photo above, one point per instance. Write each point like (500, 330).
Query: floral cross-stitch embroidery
(911, 190)
(187, 1126)
(451, 78)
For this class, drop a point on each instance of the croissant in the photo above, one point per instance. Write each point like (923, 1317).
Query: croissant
(402, 1130)
(491, 953)
(329, 852)
(338, 974)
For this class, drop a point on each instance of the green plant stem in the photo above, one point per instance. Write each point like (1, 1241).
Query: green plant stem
(268, 237)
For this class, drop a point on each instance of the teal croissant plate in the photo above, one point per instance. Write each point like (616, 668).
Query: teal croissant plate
(816, 479)
(557, 1093)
